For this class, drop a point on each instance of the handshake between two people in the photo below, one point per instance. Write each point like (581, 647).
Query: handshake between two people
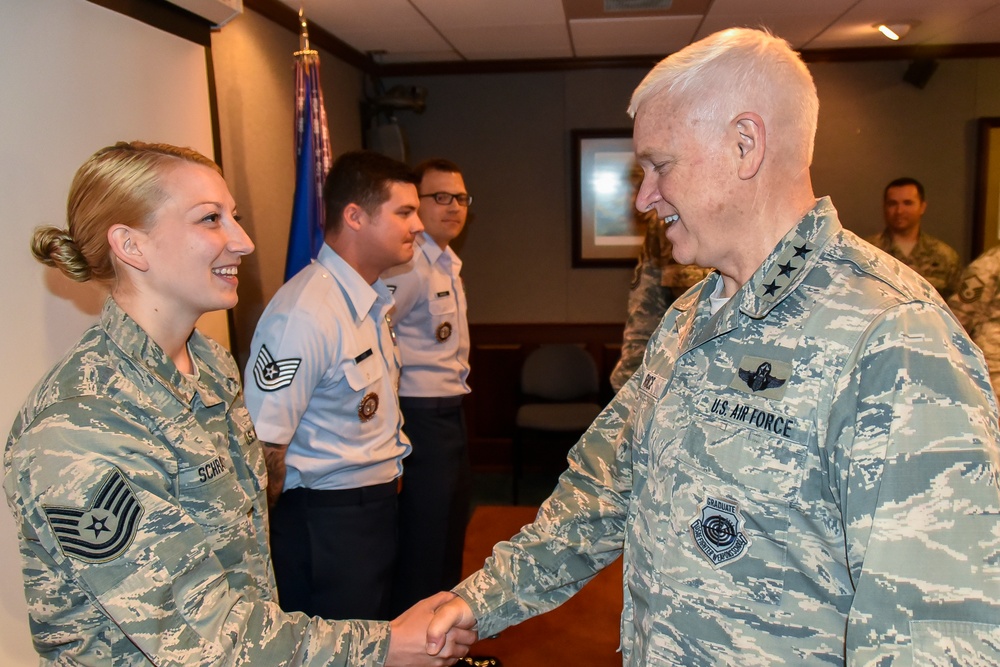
(435, 632)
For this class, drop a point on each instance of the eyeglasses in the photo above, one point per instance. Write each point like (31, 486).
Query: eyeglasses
(445, 198)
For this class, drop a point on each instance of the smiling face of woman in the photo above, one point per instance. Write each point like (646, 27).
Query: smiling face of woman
(192, 248)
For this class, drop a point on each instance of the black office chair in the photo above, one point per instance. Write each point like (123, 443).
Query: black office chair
(558, 400)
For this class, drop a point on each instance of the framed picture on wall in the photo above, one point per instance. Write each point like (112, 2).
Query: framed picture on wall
(607, 230)
(986, 229)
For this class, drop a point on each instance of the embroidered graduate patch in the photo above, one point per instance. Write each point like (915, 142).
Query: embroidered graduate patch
(271, 375)
(105, 529)
(718, 531)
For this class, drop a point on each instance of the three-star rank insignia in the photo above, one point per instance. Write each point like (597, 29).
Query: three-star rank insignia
(785, 268)
(368, 406)
(271, 374)
(443, 332)
(102, 531)
(718, 531)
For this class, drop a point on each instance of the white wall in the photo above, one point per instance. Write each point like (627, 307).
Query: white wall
(73, 77)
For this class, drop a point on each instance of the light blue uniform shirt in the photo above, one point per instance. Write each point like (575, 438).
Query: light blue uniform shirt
(322, 359)
(431, 322)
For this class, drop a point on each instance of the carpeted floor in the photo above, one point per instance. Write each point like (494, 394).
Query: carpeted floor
(583, 632)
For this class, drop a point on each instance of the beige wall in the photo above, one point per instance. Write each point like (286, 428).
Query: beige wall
(510, 132)
(255, 80)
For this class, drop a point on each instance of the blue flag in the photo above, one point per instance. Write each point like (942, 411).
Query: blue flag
(312, 161)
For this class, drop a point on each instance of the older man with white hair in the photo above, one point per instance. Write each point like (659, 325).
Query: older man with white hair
(804, 470)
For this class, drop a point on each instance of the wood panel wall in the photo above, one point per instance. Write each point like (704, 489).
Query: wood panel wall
(498, 350)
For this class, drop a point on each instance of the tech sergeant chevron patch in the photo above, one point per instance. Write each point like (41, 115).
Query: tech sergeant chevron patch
(103, 531)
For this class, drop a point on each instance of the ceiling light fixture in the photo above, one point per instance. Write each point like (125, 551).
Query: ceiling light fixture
(894, 31)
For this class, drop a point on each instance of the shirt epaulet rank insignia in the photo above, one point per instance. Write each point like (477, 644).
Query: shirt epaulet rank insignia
(272, 375)
(105, 529)
(786, 266)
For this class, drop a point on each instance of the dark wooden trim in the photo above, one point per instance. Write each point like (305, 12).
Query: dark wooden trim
(516, 66)
(984, 127)
(918, 52)
(288, 18)
(460, 67)
(165, 16)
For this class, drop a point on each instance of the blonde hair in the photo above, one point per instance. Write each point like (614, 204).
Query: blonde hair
(118, 184)
(730, 69)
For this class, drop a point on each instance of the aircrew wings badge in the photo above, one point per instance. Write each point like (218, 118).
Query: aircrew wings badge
(105, 529)
(272, 375)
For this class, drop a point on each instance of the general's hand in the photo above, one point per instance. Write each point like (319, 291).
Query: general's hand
(408, 638)
(450, 617)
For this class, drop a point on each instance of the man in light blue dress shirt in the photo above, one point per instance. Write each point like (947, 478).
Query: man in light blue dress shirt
(432, 330)
(321, 388)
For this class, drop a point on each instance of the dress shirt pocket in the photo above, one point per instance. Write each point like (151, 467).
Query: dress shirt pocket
(442, 305)
(362, 373)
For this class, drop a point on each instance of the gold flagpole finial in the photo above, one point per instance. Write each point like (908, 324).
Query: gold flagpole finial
(303, 31)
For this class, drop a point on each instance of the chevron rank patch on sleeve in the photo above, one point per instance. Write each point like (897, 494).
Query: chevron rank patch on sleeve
(271, 375)
(105, 529)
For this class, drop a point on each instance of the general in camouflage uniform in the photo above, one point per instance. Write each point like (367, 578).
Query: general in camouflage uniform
(932, 258)
(769, 490)
(139, 494)
(976, 304)
(658, 280)
(804, 469)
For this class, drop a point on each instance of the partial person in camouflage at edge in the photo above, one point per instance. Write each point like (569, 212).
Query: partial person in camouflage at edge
(658, 281)
(133, 471)
(804, 469)
(903, 205)
(976, 304)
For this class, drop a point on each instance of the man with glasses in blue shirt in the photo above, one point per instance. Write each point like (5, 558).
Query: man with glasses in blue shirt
(432, 331)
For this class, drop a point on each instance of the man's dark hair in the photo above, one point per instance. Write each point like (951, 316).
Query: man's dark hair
(435, 164)
(363, 178)
(900, 182)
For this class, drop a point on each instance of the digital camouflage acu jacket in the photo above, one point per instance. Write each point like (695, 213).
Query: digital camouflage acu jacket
(808, 477)
(139, 497)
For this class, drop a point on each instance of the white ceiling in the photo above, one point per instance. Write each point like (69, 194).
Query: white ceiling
(423, 31)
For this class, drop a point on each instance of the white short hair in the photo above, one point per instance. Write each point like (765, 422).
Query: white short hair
(735, 70)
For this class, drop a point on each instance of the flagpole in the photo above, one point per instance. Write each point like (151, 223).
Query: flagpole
(312, 158)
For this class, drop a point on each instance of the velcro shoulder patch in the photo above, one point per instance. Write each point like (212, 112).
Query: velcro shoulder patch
(102, 531)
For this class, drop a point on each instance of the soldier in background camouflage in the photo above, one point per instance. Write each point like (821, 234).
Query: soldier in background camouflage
(804, 469)
(133, 472)
(903, 205)
(976, 304)
(657, 282)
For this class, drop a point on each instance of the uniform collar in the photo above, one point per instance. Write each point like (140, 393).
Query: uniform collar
(777, 277)
(361, 297)
(433, 252)
(790, 261)
(211, 386)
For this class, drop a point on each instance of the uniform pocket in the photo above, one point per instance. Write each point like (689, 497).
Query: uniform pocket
(362, 374)
(727, 492)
